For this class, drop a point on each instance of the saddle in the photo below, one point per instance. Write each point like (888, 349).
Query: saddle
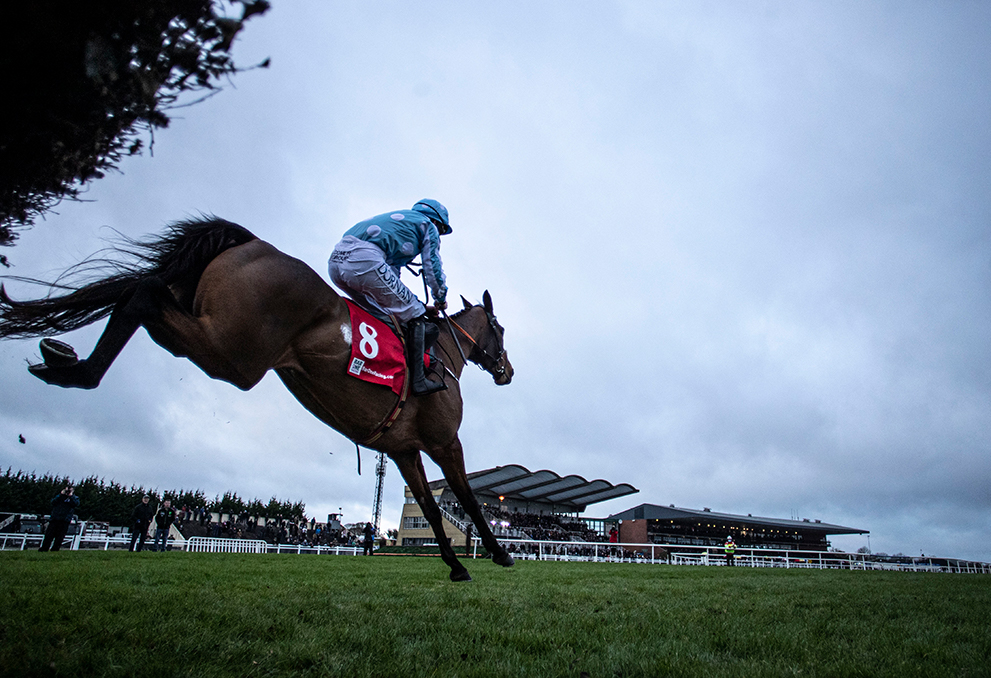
(381, 352)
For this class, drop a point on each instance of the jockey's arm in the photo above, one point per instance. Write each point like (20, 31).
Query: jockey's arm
(432, 267)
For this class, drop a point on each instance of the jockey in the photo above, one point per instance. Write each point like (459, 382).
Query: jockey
(366, 264)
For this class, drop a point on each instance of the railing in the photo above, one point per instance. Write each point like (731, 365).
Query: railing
(318, 550)
(218, 545)
(497, 529)
(714, 556)
(457, 522)
(20, 541)
(81, 539)
(529, 549)
(79, 542)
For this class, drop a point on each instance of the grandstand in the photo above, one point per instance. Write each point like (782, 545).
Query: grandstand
(648, 523)
(518, 503)
(543, 505)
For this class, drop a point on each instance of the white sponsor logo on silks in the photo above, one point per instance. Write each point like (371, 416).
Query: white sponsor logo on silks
(378, 374)
(394, 284)
(368, 346)
(357, 366)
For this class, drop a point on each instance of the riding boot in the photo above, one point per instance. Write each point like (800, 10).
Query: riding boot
(420, 335)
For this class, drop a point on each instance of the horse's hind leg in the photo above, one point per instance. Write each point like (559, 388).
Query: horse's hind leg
(411, 466)
(127, 316)
(452, 462)
(152, 304)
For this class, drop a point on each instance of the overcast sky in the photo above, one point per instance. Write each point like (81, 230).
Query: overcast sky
(742, 252)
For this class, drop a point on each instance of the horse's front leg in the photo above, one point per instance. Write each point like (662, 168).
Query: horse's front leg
(133, 308)
(451, 460)
(411, 466)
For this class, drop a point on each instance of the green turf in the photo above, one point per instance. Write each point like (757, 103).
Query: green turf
(181, 614)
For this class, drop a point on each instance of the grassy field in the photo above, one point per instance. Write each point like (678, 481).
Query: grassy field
(98, 614)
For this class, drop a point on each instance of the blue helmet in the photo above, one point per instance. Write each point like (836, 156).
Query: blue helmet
(436, 212)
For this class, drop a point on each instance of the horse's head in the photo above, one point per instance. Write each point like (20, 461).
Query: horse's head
(487, 348)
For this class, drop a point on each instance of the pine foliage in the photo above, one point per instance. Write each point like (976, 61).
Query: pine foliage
(84, 82)
(113, 503)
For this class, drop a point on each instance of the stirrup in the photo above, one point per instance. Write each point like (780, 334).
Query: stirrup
(421, 382)
(426, 386)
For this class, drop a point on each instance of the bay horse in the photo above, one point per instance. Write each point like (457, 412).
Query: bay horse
(211, 291)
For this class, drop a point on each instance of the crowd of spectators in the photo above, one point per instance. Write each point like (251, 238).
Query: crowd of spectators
(546, 527)
(583, 551)
(198, 521)
(542, 527)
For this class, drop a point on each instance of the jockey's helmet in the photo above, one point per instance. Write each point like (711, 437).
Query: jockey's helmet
(436, 212)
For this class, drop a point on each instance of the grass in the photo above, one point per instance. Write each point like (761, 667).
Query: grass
(179, 614)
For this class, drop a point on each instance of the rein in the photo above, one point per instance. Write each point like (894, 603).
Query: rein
(456, 342)
(426, 295)
(495, 370)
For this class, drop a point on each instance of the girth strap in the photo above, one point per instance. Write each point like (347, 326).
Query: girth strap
(400, 403)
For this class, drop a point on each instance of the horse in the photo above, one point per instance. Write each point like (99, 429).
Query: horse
(211, 291)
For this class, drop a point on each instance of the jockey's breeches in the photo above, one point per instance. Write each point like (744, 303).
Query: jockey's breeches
(359, 269)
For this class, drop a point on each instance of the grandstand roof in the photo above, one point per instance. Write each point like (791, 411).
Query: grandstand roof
(654, 512)
(520, 483)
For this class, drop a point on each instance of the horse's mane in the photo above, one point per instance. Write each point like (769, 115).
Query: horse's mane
(468, 307)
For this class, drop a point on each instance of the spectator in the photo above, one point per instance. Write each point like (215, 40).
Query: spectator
(163, 523)
(369, 543)
(63, 506)
(140, 520)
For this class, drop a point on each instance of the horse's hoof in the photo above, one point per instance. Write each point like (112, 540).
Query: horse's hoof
(66, 377)
(460, 576)
(57, 353)
(503, 559)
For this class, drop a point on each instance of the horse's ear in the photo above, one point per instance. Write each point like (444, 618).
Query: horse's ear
(487, 301)
(464, 301)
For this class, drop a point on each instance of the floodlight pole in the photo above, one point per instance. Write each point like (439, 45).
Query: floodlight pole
(379, 487)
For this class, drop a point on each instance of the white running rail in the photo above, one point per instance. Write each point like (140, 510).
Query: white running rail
(528, 549)
(217, 545)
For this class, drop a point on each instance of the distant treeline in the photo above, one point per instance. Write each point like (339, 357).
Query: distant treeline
(111, 502)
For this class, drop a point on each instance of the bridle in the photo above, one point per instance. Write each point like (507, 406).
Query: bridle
(494, 365)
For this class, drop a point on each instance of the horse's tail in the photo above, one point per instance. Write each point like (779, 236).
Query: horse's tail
(177, 257)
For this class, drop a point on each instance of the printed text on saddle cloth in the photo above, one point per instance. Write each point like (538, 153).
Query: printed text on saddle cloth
(377, 354)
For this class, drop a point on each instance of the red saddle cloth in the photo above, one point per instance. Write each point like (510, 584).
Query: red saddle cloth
(377, 354)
